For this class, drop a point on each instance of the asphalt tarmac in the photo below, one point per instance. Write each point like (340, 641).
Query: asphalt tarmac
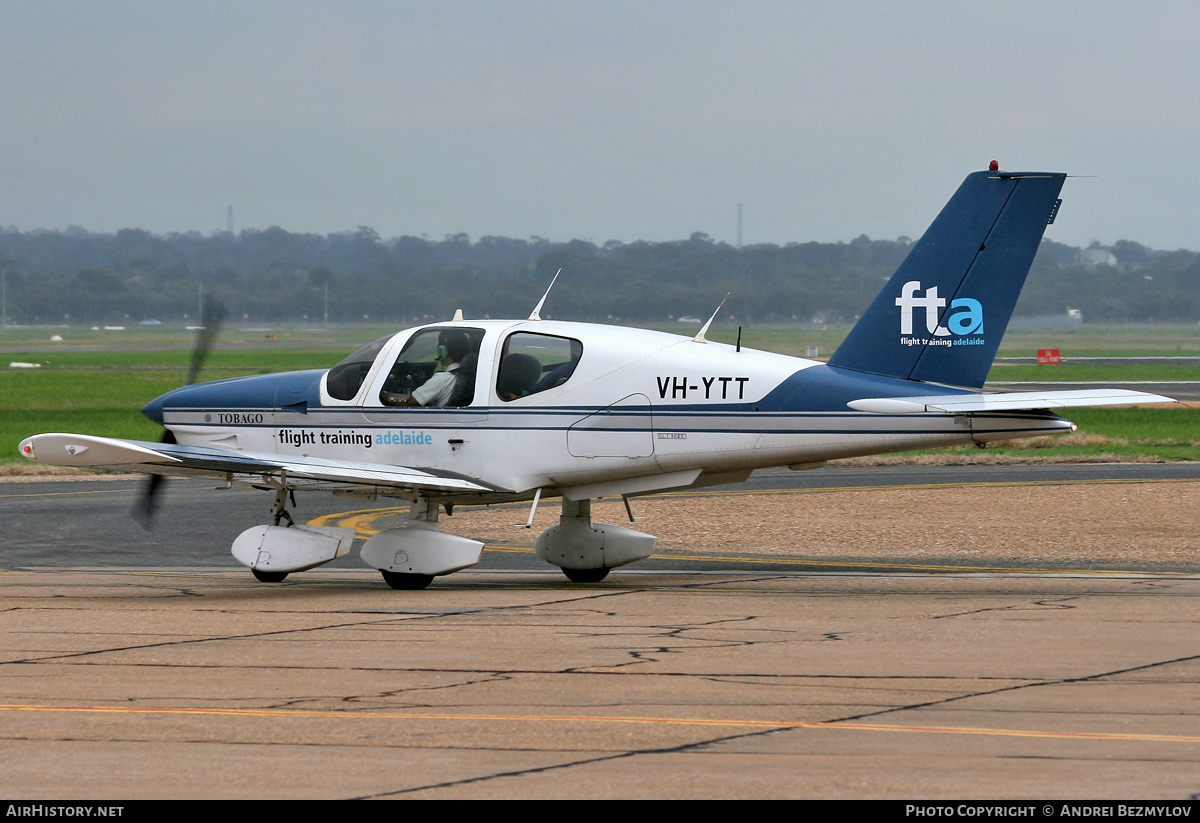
(138, 664)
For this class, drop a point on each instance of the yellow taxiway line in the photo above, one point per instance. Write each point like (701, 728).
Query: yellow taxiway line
(301, 714)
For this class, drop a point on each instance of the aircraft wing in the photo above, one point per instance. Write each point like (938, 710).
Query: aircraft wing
(241, 466)
(1005, 401)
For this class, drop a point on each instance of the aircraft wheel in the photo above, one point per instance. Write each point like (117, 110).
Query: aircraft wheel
(409, 582)
(269, 577)
(586, 575)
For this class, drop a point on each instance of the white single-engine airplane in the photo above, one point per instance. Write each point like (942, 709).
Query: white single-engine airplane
(536, 408)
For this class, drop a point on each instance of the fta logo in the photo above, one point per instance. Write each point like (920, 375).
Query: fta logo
(965, 317)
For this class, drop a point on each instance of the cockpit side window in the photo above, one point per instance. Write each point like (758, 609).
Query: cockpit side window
(436, 366)
(345, 379)
(532, 363)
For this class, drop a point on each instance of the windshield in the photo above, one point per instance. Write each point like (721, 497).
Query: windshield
(346, 378)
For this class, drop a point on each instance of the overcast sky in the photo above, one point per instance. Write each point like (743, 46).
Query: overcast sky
(597, 120)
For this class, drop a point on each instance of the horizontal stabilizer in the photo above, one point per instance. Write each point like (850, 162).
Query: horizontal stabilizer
(168, 458)
(1012, 401)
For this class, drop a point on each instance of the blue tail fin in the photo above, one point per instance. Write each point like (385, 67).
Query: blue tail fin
(941, 316)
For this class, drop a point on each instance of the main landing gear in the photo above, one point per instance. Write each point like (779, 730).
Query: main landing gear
(410, 557)
(586, 551)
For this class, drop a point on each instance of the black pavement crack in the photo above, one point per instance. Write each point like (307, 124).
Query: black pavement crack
(1038, 605)
(1017, 687)
(384, 618)
(588, 761)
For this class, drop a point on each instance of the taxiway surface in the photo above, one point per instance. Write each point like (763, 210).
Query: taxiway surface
(739, 676)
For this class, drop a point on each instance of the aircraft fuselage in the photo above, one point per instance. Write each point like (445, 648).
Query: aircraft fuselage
(640, 410)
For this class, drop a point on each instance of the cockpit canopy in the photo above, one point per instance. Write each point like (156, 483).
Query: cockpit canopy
(526, 363)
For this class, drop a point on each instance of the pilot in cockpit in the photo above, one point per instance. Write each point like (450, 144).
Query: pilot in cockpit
(452, 348)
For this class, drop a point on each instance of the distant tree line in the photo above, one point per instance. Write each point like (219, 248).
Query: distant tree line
(79, 277)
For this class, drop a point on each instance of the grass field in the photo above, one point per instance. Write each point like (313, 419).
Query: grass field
(96, 382)
(1118, 434)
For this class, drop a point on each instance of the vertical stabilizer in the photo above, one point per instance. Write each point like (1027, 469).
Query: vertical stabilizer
(941, 316)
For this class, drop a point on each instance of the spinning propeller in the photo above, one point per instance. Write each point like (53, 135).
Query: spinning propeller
(211, 317)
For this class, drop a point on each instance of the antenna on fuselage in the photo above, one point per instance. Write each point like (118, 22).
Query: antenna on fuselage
(537, 309)
(699, 338)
